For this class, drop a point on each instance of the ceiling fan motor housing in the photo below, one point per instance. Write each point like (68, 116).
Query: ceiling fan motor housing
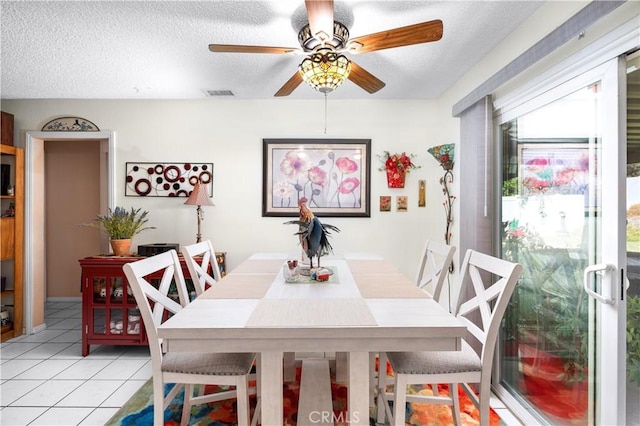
(309, 43)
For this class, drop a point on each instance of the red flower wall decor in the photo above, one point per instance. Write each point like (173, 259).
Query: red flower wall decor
(396, 166)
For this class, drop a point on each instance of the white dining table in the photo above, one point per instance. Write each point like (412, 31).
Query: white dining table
(367, 305)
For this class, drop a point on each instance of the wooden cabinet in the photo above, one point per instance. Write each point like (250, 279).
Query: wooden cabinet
(12, 240)
(7, 128)
(7, 238)
(110, 315)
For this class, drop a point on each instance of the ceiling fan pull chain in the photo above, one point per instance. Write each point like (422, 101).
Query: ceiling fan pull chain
(325, 113)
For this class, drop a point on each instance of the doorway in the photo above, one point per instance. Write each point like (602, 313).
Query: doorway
(550, 207)
(36, 210)
(72, 196)
(563, 156)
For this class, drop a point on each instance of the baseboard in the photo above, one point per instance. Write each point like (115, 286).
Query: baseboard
(39, 328)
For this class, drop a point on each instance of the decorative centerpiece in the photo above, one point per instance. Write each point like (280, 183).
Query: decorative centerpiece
(120, 226)
(313, 234)
(396, 166)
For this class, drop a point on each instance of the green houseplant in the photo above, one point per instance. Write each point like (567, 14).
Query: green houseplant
(121, 225)
(633, 339)
(548, 320)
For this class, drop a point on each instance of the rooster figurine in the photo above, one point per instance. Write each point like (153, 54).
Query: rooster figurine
(313, 234)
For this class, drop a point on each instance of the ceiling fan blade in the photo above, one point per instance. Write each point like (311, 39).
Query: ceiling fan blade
(365, 79)
(397, 37)
(290, 85)
(320, 13)
(232, 48)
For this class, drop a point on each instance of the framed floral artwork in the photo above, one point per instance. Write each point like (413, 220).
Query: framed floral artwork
(547, 168)
(385, 203)
(402, 203)
(332, 175)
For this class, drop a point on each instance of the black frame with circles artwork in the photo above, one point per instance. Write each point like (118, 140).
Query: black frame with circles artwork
(166, 179)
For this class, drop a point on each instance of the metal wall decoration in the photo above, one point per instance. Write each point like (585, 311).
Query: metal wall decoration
(166, 179)
(422, 188)
(70, 124)
(444, 154)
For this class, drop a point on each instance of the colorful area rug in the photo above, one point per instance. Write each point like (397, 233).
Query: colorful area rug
(139, 409)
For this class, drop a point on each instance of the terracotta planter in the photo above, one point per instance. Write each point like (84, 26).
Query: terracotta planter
(395, 178)
(120, 247)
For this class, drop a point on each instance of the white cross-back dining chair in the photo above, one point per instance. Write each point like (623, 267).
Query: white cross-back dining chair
(182, 368)
(204, 270)
(486, 286)
(433, 270)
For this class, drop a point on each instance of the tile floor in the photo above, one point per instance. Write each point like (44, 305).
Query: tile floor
(44, 379)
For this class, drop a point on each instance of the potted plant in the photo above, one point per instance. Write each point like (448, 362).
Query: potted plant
(549, 321)
(121, 226)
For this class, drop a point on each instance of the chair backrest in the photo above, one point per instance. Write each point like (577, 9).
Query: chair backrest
(199, 270)
(150, 279)
(434, 266)
(486, 285)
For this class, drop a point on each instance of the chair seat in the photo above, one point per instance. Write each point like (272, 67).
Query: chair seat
(219, 364)
(436, 362)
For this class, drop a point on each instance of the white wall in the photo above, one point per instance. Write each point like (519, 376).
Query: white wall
(229, 133)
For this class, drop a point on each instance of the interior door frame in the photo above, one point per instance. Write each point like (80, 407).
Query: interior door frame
(34, 280)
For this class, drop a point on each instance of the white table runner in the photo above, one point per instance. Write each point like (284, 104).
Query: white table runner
(344, 287)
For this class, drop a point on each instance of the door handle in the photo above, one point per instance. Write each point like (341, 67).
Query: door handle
(600, 269)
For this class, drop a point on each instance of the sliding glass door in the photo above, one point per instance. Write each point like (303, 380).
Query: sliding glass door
(562, 217)
(633, 238)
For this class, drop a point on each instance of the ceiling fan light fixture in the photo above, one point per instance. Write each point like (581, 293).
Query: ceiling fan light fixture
(325, 70)
(337, 40)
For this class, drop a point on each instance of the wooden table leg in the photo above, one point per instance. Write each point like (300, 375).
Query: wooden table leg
(315, 406)
(289, 366)
(358, 388)
(271, 388)
(342, 374)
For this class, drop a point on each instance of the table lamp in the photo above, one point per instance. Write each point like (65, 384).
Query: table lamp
(199, 197)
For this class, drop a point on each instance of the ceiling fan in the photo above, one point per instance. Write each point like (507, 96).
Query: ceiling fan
(324, 40)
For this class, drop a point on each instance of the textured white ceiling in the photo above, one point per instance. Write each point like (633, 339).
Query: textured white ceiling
(159, 49)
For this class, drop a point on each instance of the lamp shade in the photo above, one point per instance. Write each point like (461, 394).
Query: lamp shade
(199, 196)
(325, 70)
(444, 155)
